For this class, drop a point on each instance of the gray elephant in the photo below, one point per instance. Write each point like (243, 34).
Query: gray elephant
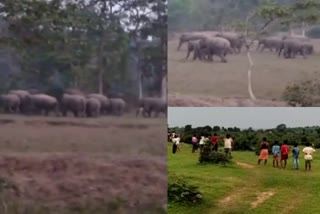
(151, 104)
(236, 41)
(291, 47)
(23, 96)
(73, 103)
(104, 102)
(10, 103)
(189, 37)
(42, 103)
(198, 53)
(117, 106)
(272, 43)
(216, 46)
(93, 107)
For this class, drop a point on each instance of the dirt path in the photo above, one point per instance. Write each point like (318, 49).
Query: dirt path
(204, 101)
(245, 165)
(262, 197)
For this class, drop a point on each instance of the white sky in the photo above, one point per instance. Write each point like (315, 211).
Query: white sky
(242, 117)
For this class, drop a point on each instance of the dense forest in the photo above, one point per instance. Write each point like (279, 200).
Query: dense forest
(189, 15)
(248, 139)
(94, 45)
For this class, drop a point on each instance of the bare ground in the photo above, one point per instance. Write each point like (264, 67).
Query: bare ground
(69, 163)
(195, 83)
(262, 197)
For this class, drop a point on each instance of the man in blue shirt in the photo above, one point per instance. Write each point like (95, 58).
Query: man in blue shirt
(295, 152)
(276, 153)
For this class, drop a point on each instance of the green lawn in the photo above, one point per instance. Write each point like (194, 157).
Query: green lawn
(248, 188)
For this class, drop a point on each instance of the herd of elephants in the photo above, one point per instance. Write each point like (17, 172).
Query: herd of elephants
(77, 103)
(205, 45)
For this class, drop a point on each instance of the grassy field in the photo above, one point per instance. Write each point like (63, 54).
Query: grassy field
(246, 188)
(206, 80)
(74, 165)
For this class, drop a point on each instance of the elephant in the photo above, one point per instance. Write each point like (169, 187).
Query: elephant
(10, 103)
(216, 46)
(236, 41)
(23, 96)
(269, 42)
(117, 106)
(43, 103)
(198, 53)
(104, 102)
(291, 47)
(189, 37)
(73, 91)
(152, 104)
(93, 107)
(74, 103)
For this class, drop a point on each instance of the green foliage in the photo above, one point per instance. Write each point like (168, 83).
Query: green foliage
(83, 41)
(179, 191)
(305, 93)
(208, 156)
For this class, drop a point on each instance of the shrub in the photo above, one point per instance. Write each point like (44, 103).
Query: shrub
(181, 192)
(207, 155)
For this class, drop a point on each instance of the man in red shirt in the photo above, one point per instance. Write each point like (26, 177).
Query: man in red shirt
(284, 154)
(215, 141)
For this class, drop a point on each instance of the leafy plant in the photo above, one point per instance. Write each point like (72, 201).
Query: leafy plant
(207, 155)
(181, 192)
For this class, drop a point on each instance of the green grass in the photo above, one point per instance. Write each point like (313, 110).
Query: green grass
(295, 192)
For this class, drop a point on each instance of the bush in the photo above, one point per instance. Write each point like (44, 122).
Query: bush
(181, 192)
(207, 155)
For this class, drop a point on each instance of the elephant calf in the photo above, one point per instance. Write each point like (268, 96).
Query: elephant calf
(216, 46)
(104, 102)
(10, 103)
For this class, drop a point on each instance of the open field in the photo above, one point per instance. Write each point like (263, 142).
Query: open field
(226, 84)
(245, 187)
(74, 165)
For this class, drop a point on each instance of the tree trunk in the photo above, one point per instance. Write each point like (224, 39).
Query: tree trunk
(100, 68)
(303, 28)
(140, 85)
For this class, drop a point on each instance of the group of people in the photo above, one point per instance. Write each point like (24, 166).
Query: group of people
(199, 143)
(281, 152)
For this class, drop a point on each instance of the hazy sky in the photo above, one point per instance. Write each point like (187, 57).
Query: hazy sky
(256, 117)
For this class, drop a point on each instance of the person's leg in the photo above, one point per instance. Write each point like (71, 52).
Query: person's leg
(297, 163)
(305, 165)
(259, 161)
(274, 161)
(265, 161)
(309, 165)
(285, 163)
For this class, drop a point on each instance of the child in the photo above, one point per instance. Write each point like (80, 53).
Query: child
(214, 141)
(284, 154)
(264, 151)
(276, 154)
(194, 143)
(295, 154)
(308, 151)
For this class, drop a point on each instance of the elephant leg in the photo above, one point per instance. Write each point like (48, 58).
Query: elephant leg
(223, 59)
(188, 54)
(76, 113)
(180, 44)
(64, 113)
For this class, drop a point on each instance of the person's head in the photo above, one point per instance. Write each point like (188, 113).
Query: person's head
(215, 134)
(285, 142)
(264, 139)
(228, 136)
(276, 142)
(295, 144)
(307, 144)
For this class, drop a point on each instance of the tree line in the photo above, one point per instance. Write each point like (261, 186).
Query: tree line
(249, 139)
(83, 44)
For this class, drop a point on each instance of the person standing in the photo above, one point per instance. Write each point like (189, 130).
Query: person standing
(295, 155)
(201, 143)
(264, 153)
(194, 143)
(214, 141)
(308, 151)
(175, 146)
(276, 154)
(284, 154)
(228, 145)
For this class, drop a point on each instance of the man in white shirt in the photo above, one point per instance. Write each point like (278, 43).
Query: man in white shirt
(228, 143)
(308, 151)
